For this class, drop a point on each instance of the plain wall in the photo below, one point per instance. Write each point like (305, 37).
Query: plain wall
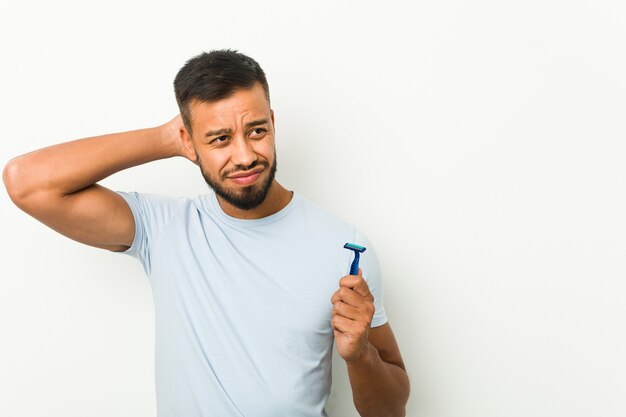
(480, 145)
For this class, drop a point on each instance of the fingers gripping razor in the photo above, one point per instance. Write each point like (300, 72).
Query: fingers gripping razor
(358, 250)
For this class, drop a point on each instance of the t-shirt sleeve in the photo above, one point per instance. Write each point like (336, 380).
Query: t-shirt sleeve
(151, 214)
(373, 276)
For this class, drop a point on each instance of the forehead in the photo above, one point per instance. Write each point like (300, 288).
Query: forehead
(241, 106)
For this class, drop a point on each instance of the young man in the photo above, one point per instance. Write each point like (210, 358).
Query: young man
(248, 281)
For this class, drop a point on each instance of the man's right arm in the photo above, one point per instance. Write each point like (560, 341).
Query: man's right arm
(58, 185)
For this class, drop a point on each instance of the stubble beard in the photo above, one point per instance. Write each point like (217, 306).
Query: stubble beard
(245, 198)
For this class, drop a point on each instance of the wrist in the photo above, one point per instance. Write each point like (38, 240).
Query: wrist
(169, 139)
(366, 356)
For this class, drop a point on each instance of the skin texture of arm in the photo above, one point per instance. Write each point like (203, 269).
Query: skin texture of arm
(57, 185)
(379, 382)
(380, 385)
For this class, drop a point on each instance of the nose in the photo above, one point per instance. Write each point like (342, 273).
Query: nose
(242, 153)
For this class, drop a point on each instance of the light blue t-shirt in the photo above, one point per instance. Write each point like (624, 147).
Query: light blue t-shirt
(242, 307)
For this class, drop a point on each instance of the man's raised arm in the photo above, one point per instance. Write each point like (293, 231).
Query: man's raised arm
(57, 185)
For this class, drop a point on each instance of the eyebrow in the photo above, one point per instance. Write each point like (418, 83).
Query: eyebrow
(225, 130)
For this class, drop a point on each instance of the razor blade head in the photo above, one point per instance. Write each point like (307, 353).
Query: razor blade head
(354, 247)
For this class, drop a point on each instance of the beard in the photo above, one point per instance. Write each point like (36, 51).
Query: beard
(245, 198)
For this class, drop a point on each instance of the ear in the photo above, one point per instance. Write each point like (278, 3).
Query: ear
(189, 151)
(272, 114)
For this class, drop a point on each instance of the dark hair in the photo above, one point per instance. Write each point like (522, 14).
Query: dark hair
(214, 76)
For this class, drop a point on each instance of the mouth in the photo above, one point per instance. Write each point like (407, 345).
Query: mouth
(246, 177)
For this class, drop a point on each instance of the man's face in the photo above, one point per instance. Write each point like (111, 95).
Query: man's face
(233, 141)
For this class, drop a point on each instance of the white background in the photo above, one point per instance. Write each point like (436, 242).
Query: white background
(480, 145)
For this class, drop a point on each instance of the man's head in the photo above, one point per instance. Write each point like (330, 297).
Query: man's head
(223, 98)
(213, 76)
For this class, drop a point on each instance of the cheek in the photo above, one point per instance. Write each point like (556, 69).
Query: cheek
(265, 149)
(213, 164)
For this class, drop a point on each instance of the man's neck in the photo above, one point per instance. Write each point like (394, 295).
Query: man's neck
(277, 198)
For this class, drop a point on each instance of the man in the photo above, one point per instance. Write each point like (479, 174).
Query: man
(248, 281)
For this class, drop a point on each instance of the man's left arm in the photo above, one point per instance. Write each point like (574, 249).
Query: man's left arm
(380, 385)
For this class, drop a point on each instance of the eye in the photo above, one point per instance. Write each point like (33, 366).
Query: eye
(258, 132)
(219, 139)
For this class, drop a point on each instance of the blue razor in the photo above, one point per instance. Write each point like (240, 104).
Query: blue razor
(358, 250)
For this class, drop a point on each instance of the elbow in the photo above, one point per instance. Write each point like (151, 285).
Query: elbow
(402, 391)
(398, 412)
(13, 182)
(9, 178)
(387, 412)
(401, 413)
(400, 409)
